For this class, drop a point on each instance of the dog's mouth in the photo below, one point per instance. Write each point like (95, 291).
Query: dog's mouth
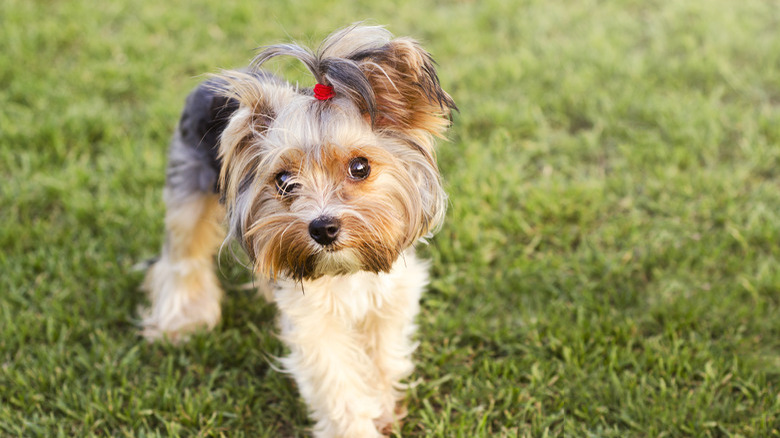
(293, 254)
(335, 259)
(332, 248)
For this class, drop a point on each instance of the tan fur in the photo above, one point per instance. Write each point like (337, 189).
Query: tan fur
(407, 93)
(195, 228)
(401, 202)
(182, 286)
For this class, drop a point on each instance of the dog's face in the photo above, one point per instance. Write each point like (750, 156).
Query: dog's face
(326, 187)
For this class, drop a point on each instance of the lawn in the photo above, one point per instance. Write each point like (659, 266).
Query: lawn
(608, 267)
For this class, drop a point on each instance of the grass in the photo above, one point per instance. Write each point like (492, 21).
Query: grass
(609, 266)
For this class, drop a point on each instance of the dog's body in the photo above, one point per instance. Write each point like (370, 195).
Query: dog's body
(327, 193)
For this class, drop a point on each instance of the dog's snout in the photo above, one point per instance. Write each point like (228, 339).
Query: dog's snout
(324, 230)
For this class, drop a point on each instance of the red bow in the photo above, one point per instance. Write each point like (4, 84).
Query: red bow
(323, 92)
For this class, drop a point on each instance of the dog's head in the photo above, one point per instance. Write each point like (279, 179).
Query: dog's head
(324, 185)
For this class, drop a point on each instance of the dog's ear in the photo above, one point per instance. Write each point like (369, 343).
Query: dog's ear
(407, 93)
(410, 104)
(258, 96)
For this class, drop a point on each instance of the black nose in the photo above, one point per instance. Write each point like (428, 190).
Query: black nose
(324, 230)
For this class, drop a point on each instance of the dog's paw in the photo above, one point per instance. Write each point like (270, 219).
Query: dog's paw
(181, 302)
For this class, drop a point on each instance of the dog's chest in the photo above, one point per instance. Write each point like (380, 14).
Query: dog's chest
(353, 298)
(349, 297)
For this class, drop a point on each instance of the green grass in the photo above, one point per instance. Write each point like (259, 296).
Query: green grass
(609, 266)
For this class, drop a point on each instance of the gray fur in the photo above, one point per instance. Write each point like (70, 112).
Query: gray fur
(193, 163)
(193, 159)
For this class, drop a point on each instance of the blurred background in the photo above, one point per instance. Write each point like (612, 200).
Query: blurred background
(609, 265)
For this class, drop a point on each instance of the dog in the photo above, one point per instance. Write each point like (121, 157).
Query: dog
(327, 190)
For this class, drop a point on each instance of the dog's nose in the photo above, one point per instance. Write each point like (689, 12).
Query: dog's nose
(324, 230)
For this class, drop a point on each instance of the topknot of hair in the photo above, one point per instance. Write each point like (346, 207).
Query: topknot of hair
(336, 62)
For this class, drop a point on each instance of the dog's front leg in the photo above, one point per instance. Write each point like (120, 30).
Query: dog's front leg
(335, 376)
(389, 331)
(182, 286)
(391, 350)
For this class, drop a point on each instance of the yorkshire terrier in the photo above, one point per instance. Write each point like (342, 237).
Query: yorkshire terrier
(327, 190)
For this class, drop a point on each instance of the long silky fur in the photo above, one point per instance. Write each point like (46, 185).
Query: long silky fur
(350, 335)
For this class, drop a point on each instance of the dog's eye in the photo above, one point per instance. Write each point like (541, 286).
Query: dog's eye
(283, 185)
(359, 168)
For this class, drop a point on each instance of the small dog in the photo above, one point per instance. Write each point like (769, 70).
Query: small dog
(327, 190)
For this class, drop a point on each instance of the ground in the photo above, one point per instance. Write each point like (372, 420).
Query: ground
(608, 268)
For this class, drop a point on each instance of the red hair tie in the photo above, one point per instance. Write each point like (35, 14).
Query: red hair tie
(323, 92)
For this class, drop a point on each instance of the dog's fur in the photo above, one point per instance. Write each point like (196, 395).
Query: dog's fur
(278, 163)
